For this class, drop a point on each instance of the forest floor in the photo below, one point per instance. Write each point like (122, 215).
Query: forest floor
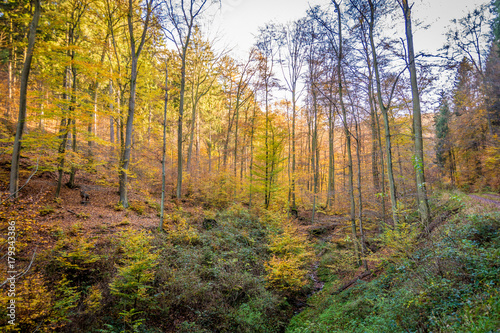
(331, 271)
(487, 198)
(102, 215)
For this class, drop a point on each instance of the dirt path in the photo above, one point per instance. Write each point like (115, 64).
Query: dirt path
(495, 200)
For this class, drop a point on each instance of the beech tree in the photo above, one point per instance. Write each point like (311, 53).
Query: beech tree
(182, 16)
(340, 58)
(418, 161)
(266, 44)
(136, 47)
(292, 59)
(21, 120)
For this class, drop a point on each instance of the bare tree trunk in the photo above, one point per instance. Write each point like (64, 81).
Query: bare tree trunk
(314, 152)
(71, 183)
(251, 155)
(331, 158)
(360, 197)
(191, 138)
(135, 53)
(16, 154)
(11, 54)
(164, 149)
(384, 109)
(382, 167)
(111, 123)
(418, 162)
(63, 130)
(294, 116)
(93, 116)
(347, 134)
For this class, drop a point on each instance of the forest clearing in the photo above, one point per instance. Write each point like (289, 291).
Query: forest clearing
(336, 179)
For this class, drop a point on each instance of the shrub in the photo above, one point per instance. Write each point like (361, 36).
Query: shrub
(286, 270)
(46, 210)
(137, 206)
(136, 270)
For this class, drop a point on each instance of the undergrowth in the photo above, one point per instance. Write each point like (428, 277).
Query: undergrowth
(230, 275)
(447, 283)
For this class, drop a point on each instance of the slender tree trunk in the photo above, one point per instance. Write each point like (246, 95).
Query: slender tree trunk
(111, 123)
(63, 130)
(71, 183)
(418, 162)
(11, 51)
(382, 167)
(331, 157)
(135, 53)
(16, 154)
(347, 134)
(93, 116)
(236, 141)
(314, 152)
(384, 109)
(179, 129)
(191, 137)
(294, 116)
(401, 174)
(251, 155)
(266, 146)
(125, 157)
(360, 197)
(181, 114)
(164, 149)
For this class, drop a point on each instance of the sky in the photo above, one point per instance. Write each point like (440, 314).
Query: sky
(237, 21)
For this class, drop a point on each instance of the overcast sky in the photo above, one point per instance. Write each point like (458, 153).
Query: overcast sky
(238, 20)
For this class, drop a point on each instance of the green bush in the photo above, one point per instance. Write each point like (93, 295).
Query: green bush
(450, 285)
(218, 282)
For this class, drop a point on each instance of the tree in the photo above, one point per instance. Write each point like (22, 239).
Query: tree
(468, 128)
(418, 162)
(266, 58)
(135, 52)
(269, 157)
(16, 154)
(292, 59)
(202, 76)
(313, 77)
(383, 107)
(444, 152)
(469, 38)
(164, 148)
(183, 17)
(347, 131)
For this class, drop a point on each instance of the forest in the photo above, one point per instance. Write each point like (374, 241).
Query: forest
(338, 178)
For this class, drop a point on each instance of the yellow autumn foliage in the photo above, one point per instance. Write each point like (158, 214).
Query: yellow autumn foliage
(292, 254)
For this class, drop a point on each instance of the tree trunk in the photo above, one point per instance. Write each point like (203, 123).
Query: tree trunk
(111, 123)
(314, 151)
(164, 149)
(251, 155)
(191, 137)
(347, 134)
(135, 53)
(331, 158)
(418, 162)
(384, 109)
(16, 154)
(63, 130)
(71, 183)
(360, 197)
(181, 112)
(382, 167)
(294, 115)
(11, 54)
